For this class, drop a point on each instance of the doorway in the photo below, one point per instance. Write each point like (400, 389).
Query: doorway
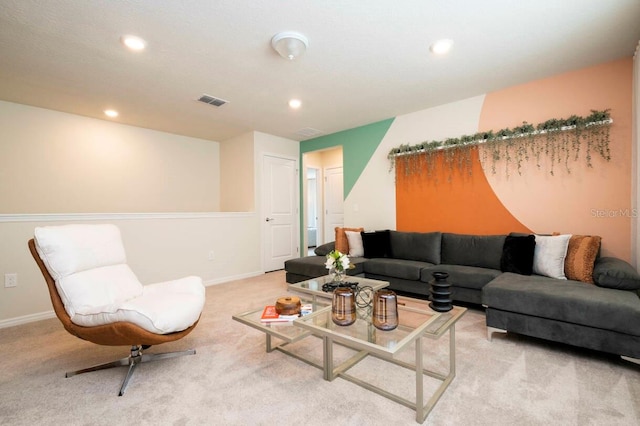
(314, 224)
(324, 195)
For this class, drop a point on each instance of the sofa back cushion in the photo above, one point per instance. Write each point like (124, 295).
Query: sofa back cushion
(422, 246)
(376, 244)
(342, 244)
(483, 251)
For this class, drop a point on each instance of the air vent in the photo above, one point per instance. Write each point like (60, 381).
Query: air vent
(308, 132)
(211, 100)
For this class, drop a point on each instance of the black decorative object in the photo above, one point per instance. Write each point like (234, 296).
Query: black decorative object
(440, 292)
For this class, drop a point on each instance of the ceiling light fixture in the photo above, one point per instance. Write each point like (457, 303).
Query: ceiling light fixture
(289, 44)
(441, 47)
(133, 42)
(295, 103)
(111, 113)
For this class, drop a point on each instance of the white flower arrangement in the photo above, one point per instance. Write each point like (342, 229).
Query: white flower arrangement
(338, 262)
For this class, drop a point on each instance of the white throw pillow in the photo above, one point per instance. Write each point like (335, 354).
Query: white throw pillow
(549, 255)
(356, 249)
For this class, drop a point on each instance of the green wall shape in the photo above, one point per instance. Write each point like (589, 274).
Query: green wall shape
(358, 145)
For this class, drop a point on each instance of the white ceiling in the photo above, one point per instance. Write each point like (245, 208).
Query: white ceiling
(367, 60)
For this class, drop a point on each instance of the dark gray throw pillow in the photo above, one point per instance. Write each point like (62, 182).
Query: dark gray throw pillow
(517, 254)
(325, 249)
(612, 272)
(376, 244)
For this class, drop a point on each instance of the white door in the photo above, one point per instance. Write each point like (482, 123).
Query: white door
(333, 202)
(280, 211)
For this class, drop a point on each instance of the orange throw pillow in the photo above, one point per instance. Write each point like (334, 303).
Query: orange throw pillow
(342, 244)
(581, 255)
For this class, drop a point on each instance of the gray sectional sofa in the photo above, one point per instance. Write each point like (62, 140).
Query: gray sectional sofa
(604, 316)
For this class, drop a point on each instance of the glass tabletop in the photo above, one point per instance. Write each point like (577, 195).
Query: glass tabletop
(283, 330)
(362, 334)
(314, 285)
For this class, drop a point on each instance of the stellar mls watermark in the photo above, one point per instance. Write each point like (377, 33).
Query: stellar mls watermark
(613, 213)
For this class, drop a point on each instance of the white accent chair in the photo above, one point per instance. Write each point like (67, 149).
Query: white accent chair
(98, 298)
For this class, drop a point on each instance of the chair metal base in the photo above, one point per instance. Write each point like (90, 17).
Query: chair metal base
(136, 357)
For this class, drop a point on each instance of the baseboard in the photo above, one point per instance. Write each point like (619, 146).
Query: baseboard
(25, 319)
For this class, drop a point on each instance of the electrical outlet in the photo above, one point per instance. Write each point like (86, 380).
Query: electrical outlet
(211, 255)
(10, 280)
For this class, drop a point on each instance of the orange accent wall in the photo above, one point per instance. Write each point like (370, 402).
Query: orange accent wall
(586, 200)
(450, 201)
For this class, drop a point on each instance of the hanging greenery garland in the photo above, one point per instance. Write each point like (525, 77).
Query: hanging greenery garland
(558, 140)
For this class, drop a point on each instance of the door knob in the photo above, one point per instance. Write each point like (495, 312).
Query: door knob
(269, 219)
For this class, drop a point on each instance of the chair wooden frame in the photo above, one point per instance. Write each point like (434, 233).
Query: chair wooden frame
(115, 334)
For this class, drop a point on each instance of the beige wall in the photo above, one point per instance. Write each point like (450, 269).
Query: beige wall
(161, 190)
(237, 194)
(635, 163)
(55, 162)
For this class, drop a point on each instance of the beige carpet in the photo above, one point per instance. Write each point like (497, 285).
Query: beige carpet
(233, 381)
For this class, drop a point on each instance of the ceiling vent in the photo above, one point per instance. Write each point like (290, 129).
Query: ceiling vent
(308, 132)
(211, 100)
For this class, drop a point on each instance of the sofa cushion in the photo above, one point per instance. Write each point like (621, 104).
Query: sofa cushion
(549, 255)
(397, 268)
(421, 246)
(517, 254)
(376, 244)
(612, 272)
(325, 249)
(314, 266)
(581, 256)
(565, 300)
(356, 249)
(484, 251)
(342, 244)
(461, 276)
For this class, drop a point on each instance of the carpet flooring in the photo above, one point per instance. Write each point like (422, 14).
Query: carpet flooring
(233, 381)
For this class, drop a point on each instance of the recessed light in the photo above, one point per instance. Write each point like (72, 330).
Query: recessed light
(111, 113)
(295, 103)
(441, 47)
(133, 42)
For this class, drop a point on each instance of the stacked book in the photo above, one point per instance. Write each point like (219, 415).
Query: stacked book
(269, 314)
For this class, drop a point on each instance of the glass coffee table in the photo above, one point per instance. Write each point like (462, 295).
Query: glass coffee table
(416, 321)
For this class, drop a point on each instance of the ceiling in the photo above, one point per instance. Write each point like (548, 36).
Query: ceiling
(367, 60)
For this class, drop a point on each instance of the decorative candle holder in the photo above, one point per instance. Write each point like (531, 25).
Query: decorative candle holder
(343, 308)
(385, 309)
(440, 292)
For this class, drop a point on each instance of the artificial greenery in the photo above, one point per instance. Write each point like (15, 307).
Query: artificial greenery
(561, 141)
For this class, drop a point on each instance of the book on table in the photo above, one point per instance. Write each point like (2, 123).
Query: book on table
(269, 314)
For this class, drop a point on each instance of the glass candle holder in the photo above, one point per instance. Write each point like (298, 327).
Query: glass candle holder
(343, 308)
(385, 309)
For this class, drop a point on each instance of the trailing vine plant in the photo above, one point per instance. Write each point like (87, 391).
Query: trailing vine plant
(561, 141)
